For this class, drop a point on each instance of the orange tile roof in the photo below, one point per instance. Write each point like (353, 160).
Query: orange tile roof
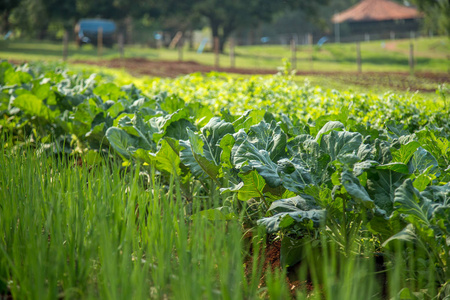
(376, 10)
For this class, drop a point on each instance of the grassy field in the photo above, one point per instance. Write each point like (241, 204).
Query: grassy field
(380, 56)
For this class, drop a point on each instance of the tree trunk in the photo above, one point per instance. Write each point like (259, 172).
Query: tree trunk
(227, 29)
(5, 22)
(215, 31)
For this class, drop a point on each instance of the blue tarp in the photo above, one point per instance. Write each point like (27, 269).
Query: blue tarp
(92, 25)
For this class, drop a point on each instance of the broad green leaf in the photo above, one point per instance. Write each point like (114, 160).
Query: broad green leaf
(159, 124)
(4, 67)
(396, 130)
(166, 159)
(381, 186)
(306, 152)
(423, 180)
(405, 152)
(13, 77)
(115, 109)
(226, 143)
(43, 91)
(248, 119)
(199, 113)
(122, 142)
(188, 159)
(395, 166)
(294, 175)
(409, 201)
(423, 160)
(268, 137)
(296, 210)
(212, 133)
(253, 186)
(202, 153)
(382, 151)
(177, 130)
(354, 188)
(408, 235)
(293, 204)
(339, 143)
(171, 104)
(439, 147)
(207, 165)
(109, 91)
(34, 106)
(331, 125)
(143, 130)
(246, 157)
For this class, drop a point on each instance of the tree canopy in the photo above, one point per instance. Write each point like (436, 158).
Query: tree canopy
(222, 16)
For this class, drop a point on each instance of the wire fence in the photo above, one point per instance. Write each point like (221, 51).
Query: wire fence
(305, 52)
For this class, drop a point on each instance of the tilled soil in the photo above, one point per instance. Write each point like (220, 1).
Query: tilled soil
(161, 68)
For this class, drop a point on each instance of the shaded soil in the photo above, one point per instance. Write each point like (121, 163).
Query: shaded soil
(271, 256)
(421, 81)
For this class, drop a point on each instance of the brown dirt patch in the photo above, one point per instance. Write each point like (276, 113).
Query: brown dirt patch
(403, 81)
(395, 80)
(163, 68)
(271, 262)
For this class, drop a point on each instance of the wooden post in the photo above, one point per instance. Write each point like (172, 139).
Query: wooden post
(216, 52)
(176, 39)
(121, 42)
(180, 50)
(310, 42)
(231, 52)
(294, 54)
(358, 57)
(65, 45)
(411, 58)
(337, 33)
(99, 41)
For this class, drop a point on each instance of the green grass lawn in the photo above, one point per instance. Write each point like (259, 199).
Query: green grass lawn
(380, 56)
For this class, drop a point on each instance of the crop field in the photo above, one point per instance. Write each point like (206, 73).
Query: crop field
(218, 186)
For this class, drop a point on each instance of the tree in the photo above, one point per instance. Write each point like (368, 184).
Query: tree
(225, 16)
(6, 7)
(437, 14)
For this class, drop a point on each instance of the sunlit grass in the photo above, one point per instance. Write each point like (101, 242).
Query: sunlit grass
(431, 55)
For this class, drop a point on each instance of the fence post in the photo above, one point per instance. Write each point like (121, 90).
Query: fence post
(411, 58)
(294, 54)
(121, 41)
(100, 41)
(231, 52)
(358, 57)
(216, 52)
(337, 33)
(65, 44)
(310, 42)
(180, 49)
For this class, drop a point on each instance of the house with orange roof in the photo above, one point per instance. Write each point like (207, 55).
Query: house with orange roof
(380, 19)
